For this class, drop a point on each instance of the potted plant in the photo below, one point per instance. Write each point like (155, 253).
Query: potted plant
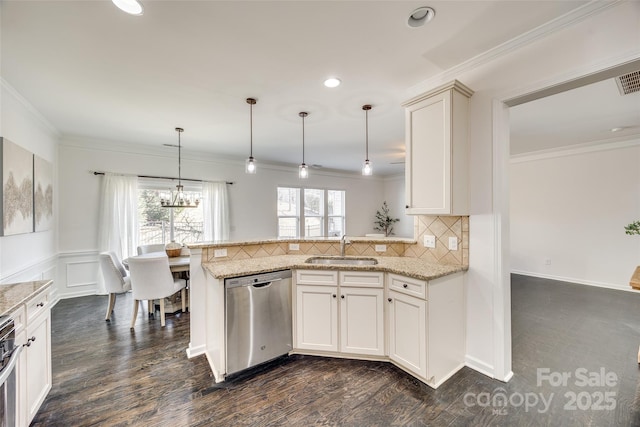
(383, 221)
(631, 229)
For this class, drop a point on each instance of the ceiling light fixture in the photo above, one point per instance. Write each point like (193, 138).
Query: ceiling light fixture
(132, 7)
(617, 129)
(303, 171)
(250, 165)
(420, 16)
(367, 170)
(178, 199)
(332, 82)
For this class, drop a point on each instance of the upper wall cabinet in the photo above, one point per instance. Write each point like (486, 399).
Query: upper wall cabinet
(437, 159)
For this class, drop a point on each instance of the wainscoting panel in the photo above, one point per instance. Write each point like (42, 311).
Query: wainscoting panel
(77, 274)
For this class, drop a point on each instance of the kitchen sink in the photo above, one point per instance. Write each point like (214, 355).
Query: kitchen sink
(342, 260)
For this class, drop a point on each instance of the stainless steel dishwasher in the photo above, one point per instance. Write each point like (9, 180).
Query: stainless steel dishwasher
(258, 319)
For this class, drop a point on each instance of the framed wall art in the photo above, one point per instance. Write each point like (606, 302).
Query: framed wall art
(17, 189)
(42, 194)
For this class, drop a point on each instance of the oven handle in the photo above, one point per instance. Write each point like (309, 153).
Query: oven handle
(8, 369)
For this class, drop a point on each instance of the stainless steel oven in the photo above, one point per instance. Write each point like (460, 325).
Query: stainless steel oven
(9, 355)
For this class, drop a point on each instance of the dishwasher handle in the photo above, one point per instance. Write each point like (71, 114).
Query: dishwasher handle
(265, 284)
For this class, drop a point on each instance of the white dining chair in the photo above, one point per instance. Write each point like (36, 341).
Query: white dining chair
(151, 279)
(155, 247)
(116, 279)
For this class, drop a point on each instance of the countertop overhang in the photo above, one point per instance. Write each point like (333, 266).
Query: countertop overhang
(15, 294)
(352, 239)
(411, 267)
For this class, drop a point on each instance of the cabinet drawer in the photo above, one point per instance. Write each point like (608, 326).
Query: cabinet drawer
(37, 305)
(362, 279)
(316, 277)
(407, 285)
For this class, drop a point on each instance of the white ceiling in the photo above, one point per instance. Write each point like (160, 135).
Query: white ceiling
(96, 73)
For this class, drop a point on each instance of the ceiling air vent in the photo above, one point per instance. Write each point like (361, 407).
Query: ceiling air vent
(629, 83)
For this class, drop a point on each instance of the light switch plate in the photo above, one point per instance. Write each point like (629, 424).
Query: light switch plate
(429, 241)
(219, 253)
(294, 246)
(453, 243)
(381, 248)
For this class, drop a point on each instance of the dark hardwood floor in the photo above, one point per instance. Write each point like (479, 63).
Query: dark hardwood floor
(105, 374)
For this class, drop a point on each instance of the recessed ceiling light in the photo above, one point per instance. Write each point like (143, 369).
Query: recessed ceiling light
(332, 82)
(420, 16)
(132, 7)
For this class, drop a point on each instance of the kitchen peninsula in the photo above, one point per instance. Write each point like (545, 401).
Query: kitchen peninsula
(399, 308)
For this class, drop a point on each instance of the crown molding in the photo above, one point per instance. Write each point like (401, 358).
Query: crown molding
(29, 107)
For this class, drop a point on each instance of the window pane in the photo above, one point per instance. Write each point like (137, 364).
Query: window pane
(288, 201)
(313, 226)
(288, 227)
(154, 221)
(336, 226)
(335, 202)
(313, 202)
(187, 224)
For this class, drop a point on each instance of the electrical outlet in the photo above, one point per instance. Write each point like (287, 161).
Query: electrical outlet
(219, 253)
(453, 243)
(381, 248)
(294, 246)
(429, 241)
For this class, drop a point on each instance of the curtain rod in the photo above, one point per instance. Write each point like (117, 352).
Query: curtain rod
(165, 177)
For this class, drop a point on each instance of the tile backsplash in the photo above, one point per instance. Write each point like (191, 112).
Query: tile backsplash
(442, 227)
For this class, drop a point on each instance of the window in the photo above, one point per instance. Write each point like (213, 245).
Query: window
(310, 212)
(162, 225)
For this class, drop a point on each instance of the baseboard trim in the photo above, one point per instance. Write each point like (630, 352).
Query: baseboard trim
(574, 280)
(478, 365)
(195, 351)
(78, 294)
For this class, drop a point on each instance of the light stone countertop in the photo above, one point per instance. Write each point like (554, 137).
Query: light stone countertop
(411, 267)
(14, 294)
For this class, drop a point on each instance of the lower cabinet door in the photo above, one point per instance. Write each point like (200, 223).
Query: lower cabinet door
(408, 332)
(317, 317)
(38, 363)
(362, 321)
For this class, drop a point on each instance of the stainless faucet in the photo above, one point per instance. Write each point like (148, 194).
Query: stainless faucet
(343, 243)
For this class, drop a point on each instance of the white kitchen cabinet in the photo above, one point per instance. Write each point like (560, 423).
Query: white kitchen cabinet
(317, 317)
(362, 321)
(437, 151)
(336, 318)
(427, 329)
(34, 367)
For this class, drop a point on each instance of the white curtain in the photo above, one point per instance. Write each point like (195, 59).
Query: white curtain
(118, 226)
(215, 211)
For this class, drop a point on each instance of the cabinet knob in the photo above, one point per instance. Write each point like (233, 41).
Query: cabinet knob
(389, 299)
(29, 341)
(405, 286)
(40, 304)
(342, 296)
(406, 206)
(334, 295)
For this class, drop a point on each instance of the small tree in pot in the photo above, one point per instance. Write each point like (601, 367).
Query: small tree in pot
(383, 221)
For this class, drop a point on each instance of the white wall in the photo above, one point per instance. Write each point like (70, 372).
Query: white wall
(28, 256)
(394, 194)
(594, 41)
(252, 198)
(570, 210)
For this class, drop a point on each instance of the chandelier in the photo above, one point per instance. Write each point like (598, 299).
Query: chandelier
(178, 199)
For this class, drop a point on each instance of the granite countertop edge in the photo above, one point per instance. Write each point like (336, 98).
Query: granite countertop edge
(410, 267)
(12, 295)
(352, 239)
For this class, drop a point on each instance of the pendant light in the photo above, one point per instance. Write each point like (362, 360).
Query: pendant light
(303, 171)
(178, 199)
(366, 168)
(250, 165)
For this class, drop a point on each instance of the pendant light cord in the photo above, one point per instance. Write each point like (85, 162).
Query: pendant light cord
(179, 130)
(366, 132)
(251, 129)
(302, 139)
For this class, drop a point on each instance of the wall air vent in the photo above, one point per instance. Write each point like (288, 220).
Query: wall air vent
(629, 83)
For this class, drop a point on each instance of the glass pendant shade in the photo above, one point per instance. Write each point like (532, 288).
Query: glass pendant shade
(303, 171)
(366, 168)
(250, 164)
